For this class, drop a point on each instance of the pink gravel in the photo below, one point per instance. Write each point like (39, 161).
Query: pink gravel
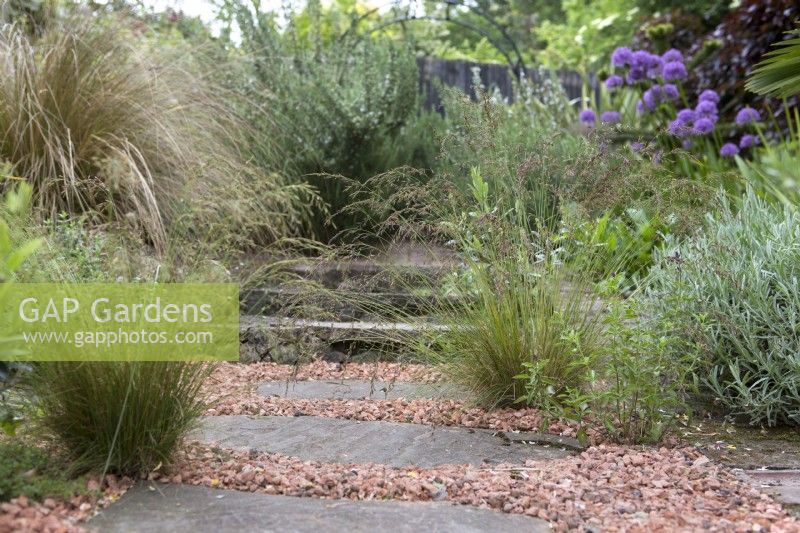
(611, 488)
(56, 515)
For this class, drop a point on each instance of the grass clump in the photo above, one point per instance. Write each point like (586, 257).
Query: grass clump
(731, 300)
(99, 123)
(121, 417)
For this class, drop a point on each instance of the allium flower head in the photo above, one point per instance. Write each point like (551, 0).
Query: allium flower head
(641, 59)
(636, 74)
(728, 150)
(636, 146)
(686, 116)
(671, 91)
(703, 126)
(746, 115)
(640, 107)
(709, 96)
(707, 109)
(651, 98)
(674, 70)
(614, 81)
(587, 116)
(747, 141)
(672, 55)
(610, 117)
(621, 56)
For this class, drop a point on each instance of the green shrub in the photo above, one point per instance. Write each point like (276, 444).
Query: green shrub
(334, 108)
(123, 417)
(26, 470)
(100, 123)
(731, 300)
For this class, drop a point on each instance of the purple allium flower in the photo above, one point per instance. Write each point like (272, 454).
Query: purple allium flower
(709, 96)
(672, 55)
(687, 144)
(747, 141)
(746, 115)
(674, 70)
(587, 116)
(641, 59)
(707, 109)
(636, 74)
(651, 97)
(679, 128)
(614, 81)
(686, 116)
(728, 150)
(703, 126)
(671, 91)
(610, 117)
(636, 146)
(621, 56)
(640, 107)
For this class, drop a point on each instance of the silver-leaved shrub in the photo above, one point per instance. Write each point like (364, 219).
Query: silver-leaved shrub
(731, 300)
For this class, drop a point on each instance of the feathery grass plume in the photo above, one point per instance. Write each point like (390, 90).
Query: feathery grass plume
(100, 124)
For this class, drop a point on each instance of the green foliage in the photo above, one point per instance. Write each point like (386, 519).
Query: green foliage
(118, 417)
(731, 300)
(93, 129)
(26, 470)
(336, 107)
(778, 74)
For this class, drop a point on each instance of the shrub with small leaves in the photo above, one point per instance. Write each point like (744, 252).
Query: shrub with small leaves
(731, 299)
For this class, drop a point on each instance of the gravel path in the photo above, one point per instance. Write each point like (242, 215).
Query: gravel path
(609, 488)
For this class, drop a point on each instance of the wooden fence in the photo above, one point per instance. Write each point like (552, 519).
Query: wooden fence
(459, 74)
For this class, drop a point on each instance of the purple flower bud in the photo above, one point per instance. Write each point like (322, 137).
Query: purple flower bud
(672, 55)
(587, 116)
(703, 126)
(636, 146)
(671, 91)
(709, 96)
(687, 144)
(746, 115)
(640, 107)
(687, 116)
(621, 56)
(610, 117)
(747, 141)
(674, 70)
(707, 109)
(728, 150)
(614, 81)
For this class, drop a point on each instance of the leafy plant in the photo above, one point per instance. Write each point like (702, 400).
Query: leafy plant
(778, 74)
(731, 300)
(30, 471)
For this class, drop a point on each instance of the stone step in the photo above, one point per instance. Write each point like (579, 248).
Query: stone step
(289, 340)
(369, 275)
(150, 508)
(354, 389)
(783, 485)
(339, 304)
(333, 440)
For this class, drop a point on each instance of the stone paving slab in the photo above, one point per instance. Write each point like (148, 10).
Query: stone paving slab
(180, 508)
(316, 438)
(354, 389)
(784, 485)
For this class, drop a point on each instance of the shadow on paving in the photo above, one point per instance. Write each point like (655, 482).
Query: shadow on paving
(179, 508)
